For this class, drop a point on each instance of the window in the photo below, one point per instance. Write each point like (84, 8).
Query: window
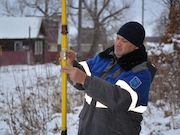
(38, 49)
(18, 45)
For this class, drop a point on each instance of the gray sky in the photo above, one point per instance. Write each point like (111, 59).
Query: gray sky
(152, 10)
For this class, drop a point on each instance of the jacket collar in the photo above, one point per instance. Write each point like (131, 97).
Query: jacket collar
(128, 61)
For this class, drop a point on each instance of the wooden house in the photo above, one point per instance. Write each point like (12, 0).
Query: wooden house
(22, 41)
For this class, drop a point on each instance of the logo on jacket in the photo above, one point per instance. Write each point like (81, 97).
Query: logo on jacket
(135, 82)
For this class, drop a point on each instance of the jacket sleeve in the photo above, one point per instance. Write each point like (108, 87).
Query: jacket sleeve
(113, 96)
(91, 62)
(76, 85)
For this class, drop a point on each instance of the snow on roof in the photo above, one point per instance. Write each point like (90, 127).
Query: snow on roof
(18, 27)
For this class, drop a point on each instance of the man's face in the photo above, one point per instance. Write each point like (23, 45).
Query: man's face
(122, 46)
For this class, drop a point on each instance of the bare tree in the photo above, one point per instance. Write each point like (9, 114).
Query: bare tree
(166, 84)
(172, 27)
(101, 14)
(48, 9)
(13, 8)
(161, 23)
(29, 7)
(45, 7)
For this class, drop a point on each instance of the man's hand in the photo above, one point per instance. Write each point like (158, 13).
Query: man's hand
(71, 57)
(75, 74)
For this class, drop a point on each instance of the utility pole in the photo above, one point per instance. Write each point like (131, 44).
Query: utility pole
(79, 30)
(142, 12)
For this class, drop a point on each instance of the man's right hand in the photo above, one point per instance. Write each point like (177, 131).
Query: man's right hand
(71, 57)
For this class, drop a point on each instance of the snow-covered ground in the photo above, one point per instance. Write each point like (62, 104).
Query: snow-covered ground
(24, 77)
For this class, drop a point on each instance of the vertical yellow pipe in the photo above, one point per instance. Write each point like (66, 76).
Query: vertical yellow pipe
(63, 55)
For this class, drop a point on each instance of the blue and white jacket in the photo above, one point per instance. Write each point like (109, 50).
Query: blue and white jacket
(116, 92)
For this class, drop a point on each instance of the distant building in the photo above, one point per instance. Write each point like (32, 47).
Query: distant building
(22, 41)
(153, 39)
(53, 32)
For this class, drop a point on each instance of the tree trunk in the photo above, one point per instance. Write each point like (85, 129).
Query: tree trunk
(95, 41)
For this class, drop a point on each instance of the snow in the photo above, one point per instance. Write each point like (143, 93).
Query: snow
(13, 77)
(157, 49)
(18, 27)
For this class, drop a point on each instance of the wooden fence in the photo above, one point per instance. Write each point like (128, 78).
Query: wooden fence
(25, 57)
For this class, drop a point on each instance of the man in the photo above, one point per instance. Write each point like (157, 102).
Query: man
(116, 83)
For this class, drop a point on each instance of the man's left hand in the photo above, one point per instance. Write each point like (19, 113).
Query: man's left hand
(75, 74)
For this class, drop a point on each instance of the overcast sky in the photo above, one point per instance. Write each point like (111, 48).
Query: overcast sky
(152, 10)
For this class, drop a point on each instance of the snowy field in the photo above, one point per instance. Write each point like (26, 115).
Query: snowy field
(18, 84)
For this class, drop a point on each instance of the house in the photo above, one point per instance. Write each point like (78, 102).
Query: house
(153, 39)
(22, 41)
(54, 33)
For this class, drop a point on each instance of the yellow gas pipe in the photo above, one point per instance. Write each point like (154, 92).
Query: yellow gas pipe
(63, 62)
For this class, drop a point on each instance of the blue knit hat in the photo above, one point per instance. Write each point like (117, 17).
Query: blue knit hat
(134, 32)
